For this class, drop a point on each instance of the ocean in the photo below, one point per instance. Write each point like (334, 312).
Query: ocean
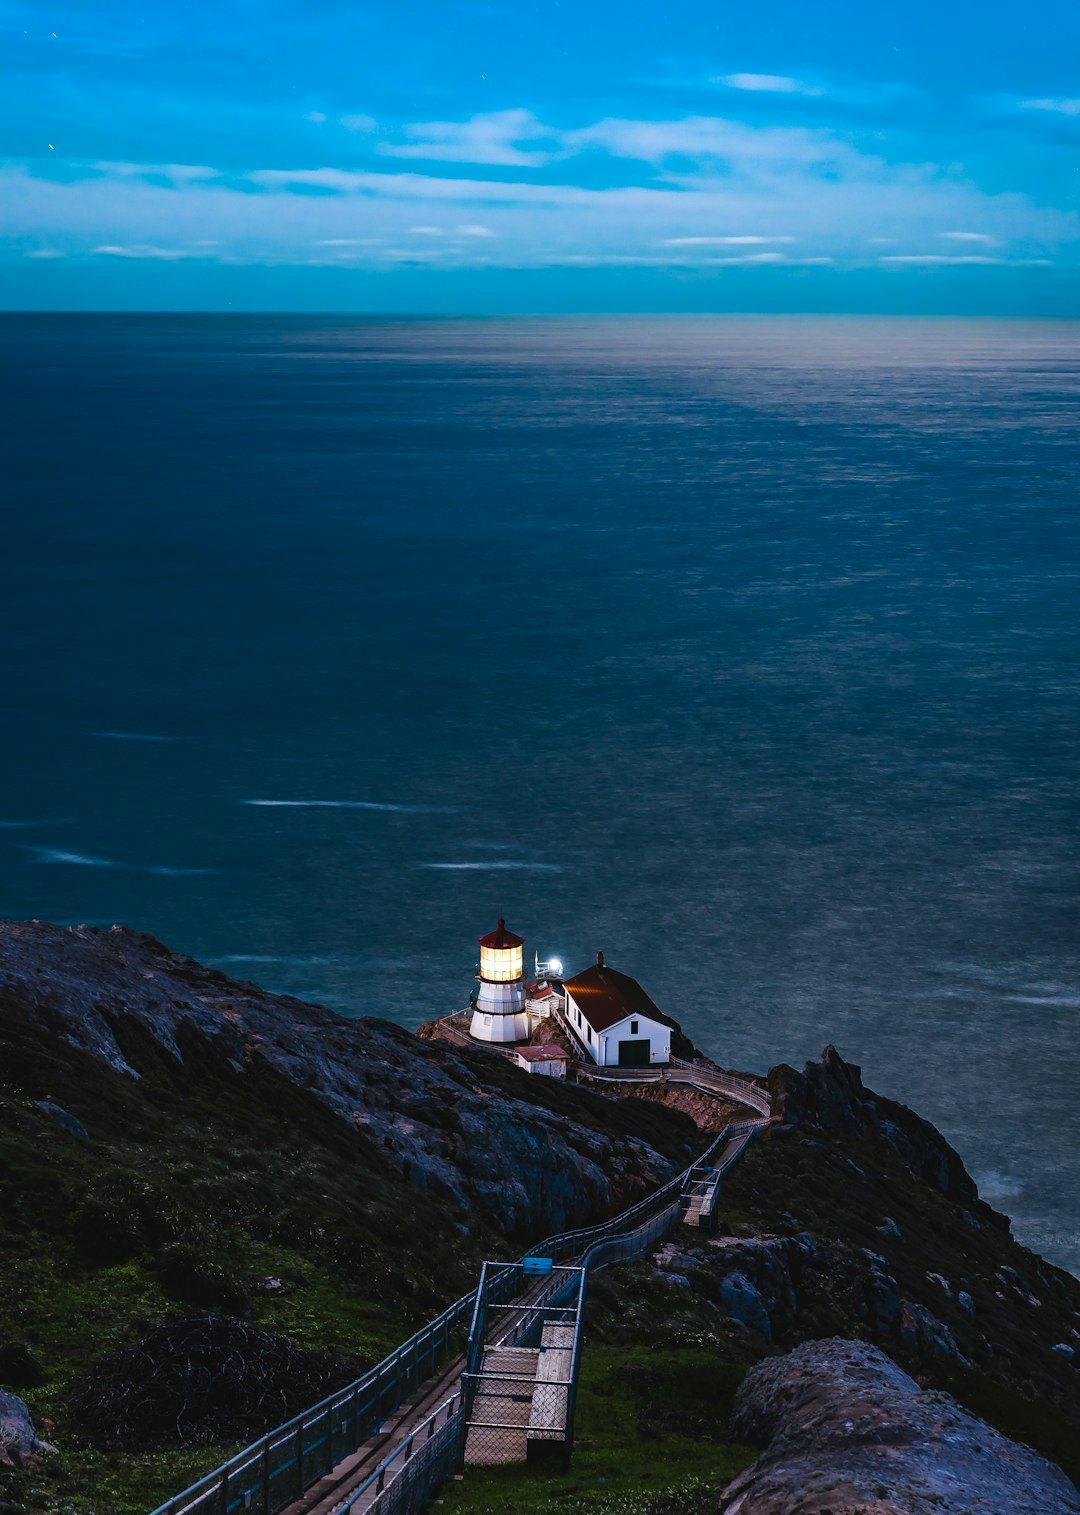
(745, 650)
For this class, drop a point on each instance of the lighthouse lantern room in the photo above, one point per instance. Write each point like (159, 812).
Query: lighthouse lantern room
(500, 1014)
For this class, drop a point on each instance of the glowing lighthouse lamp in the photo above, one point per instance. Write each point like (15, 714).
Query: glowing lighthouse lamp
(500, 1014)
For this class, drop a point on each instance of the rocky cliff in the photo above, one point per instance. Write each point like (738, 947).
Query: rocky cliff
(526, 1155)
(846, 1431)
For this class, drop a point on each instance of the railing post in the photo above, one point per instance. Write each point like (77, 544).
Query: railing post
(266, 1478)
(299, 1455)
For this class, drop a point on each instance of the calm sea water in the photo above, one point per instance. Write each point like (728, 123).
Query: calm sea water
(745, 650)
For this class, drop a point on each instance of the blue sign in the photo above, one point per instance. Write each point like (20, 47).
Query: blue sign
(536, 1265)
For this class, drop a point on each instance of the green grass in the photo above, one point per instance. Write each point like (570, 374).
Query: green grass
(651, 1428)
(70, 1315)
(85, 1481)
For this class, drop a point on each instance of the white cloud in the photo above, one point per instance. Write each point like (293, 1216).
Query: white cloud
(45, 252)
(721, 241)
(930, 260)
(145, 250)
(493, 138)
(427, 231)
(773, 84)
(1059, 107)
(474, 230)
(358, 123)
(714, 139)
(176, 173)
(317, 116)
(969, 236)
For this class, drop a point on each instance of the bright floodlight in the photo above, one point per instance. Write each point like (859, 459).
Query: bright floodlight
(556, 966)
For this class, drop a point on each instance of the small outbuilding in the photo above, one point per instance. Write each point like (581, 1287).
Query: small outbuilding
(549, 1060)
(614, 1019)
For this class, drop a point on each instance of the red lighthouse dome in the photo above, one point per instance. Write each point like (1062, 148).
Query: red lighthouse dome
(501, 955)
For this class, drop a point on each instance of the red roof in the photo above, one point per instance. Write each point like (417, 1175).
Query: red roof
(539, 988)
(549, 1054)
(605, 996)
(500, 937)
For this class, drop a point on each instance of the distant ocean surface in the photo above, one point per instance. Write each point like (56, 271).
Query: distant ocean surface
(745, 650)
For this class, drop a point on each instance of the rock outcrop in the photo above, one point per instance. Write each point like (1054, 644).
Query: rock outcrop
(20, 1445)
(848, 1433)
(829, 1096)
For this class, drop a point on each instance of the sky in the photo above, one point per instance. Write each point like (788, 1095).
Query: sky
(594, 155)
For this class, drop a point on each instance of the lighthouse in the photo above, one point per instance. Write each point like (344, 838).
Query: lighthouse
(500, 1014)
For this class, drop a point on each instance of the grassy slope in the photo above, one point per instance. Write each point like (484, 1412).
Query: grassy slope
(651, 1427)
(193, 1187)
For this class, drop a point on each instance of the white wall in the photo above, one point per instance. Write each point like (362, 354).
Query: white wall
(556, 1068)
(658, 1035)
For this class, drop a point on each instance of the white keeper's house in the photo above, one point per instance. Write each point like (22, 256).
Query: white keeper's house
(614, 1020)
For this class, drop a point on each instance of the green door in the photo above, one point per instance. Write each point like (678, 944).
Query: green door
(634, 1054)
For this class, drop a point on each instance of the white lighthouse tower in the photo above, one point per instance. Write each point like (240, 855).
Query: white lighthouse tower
(500, 1014)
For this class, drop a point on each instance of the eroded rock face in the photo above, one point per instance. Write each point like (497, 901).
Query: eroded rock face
(449, 1121)
(848, 1432)
(829, 1096)
(20, 1445)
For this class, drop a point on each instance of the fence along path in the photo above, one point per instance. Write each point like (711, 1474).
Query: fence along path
(410, 1407)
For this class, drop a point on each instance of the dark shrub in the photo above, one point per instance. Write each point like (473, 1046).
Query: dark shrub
(201, 1379)
(189, 1275)
(19, 1368)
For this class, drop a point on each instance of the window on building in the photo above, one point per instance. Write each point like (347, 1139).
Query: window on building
(633, 1028)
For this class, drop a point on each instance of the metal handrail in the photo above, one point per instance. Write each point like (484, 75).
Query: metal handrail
(377, 1478)
(699, 1076)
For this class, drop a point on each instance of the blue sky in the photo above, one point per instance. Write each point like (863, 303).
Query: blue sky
(588, 155)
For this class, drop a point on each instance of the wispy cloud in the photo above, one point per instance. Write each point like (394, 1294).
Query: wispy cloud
(772, 84)
(721, 241)
(932, 259)
(359, 123)
(1058, 107)
(706, 139)
(969, 236)
(175, 173)
(146, 250)
(500, 138)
